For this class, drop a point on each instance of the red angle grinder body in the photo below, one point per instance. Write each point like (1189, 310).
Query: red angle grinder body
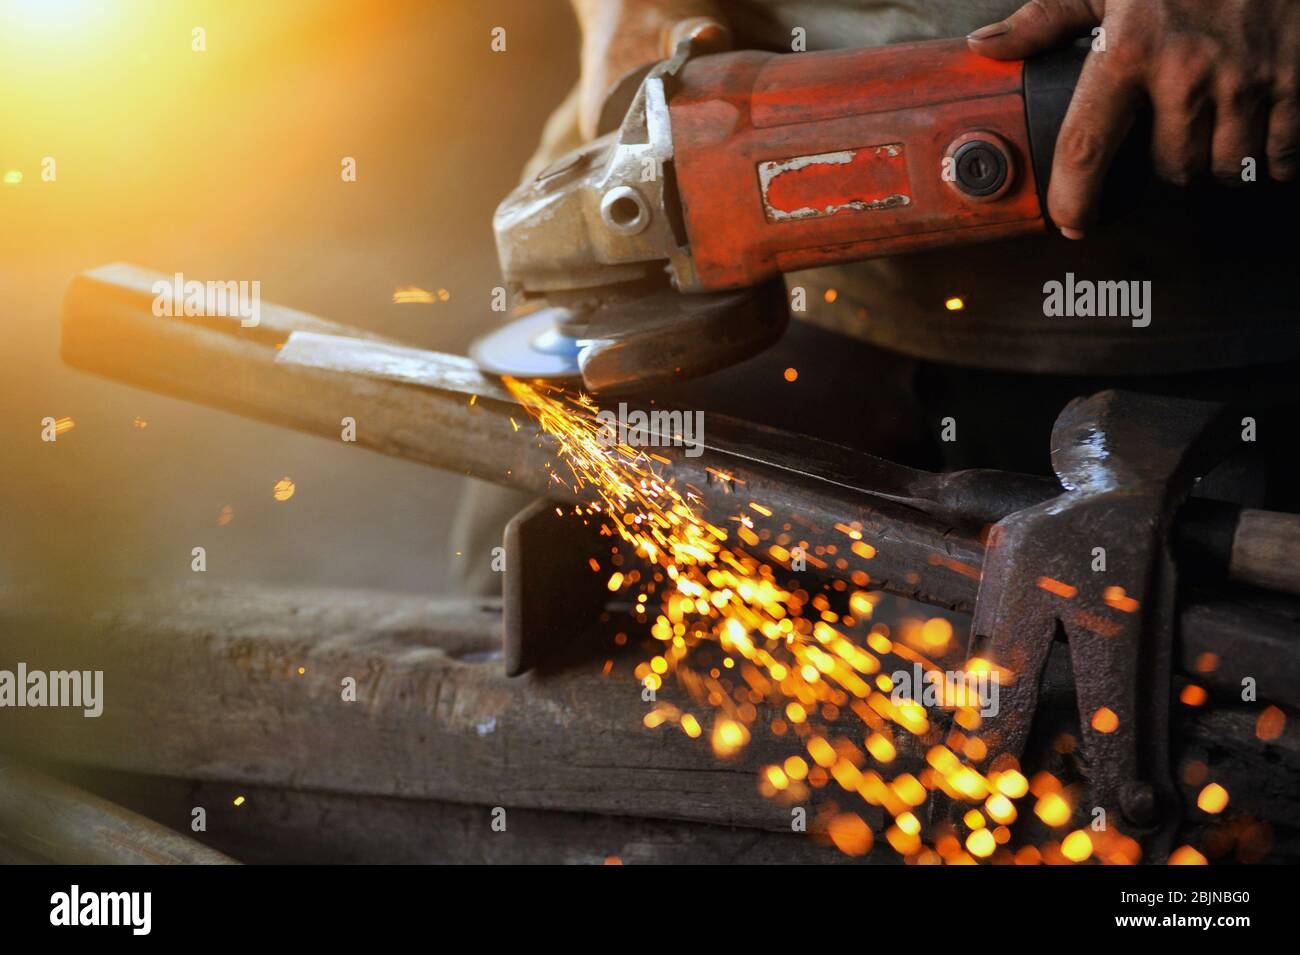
(731, 169)
(787, 162)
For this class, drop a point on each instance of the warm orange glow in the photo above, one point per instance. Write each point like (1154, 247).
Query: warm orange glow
(1192, 695)
(1012, 784)
(1077, 846)
(411, 295)
(1186, 855)
(1105, 720)
(935, 634)
(729, 737)
(850, 834)
(954, 304)
(1057, 587)
(981, 843)
(283, 490)
(1000, 809)
(1270, 724)
(1213, 799)
(1028, 855)
(1116, 597)
(1053, 810)
(863, 550)
(881, 748)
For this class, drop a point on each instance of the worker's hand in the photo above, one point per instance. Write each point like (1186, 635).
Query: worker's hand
(620, 35)
(1222, 76)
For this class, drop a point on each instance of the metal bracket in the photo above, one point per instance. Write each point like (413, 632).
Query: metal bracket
(1126, 462)
(546, 603)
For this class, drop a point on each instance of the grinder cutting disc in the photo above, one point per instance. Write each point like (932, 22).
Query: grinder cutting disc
(532, 347)
(632, 344)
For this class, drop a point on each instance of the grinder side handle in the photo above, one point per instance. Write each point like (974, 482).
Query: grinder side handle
(1049, 82)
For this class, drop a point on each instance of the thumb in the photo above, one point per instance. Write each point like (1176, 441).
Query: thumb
(1037, 26)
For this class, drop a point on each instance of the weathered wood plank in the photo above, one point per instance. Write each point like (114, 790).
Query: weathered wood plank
(284, 826)
(203, 683)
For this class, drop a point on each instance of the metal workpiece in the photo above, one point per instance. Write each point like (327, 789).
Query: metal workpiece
(55, 823)
(307, 373)
(303, 372)
(1094, 565)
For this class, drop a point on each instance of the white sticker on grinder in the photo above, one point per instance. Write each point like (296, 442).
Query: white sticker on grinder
(866, 179)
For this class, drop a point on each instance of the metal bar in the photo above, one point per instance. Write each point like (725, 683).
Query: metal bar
(300, 371)
(457, 419)
(62, 824)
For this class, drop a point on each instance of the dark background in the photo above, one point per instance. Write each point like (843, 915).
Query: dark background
(225, 165)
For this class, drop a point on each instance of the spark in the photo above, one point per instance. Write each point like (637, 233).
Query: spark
(1270, 724)
(411, 295)
(1105, 720)
(1212, 799)
(1116, 598)
(1076, 846)
(1063, 590)
(735, 634)
(1186, 855)
(283, 490)
(1053, 810)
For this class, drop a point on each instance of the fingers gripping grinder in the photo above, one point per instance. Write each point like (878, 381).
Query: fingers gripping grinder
(654, 253)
